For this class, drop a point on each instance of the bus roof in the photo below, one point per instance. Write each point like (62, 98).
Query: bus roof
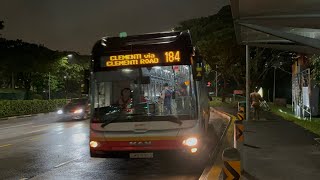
(137, 42)
(164, 48)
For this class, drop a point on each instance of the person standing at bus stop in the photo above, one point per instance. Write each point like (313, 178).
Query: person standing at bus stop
(255, 100)
(166, 95)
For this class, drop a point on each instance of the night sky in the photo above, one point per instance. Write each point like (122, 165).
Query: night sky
(76, 24)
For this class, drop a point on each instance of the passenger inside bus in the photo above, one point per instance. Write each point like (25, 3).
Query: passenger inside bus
(182, 100)
(166, 95)
(183, 90)
(153, 97)
(125, 98)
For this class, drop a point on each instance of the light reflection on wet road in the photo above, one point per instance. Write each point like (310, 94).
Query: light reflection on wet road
(42, 147)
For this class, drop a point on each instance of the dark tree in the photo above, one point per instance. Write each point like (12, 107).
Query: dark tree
(215, 37)
(1, 25)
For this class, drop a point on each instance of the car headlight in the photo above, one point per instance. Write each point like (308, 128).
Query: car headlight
(60, 111)
(78, 111)
(192, 141)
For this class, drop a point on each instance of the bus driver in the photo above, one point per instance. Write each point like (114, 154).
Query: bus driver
(125, 98)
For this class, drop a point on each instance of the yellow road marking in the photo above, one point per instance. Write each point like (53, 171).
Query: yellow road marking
(35, 138)
(6, 145)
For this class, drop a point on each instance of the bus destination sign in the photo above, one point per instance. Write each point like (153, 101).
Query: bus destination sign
(140, 59)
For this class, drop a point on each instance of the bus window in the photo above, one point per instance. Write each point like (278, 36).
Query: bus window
(146, 92)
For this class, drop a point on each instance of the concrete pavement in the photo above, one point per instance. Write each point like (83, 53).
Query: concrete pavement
(278, 149)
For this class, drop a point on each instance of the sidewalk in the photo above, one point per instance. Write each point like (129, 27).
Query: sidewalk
(278, 149)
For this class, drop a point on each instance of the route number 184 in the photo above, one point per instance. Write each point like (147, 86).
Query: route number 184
(172, 56)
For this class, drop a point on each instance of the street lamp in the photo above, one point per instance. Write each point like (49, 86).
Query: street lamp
(70, 56)
(216, 80)
(65, 86)
(49, 87)
(274, 83)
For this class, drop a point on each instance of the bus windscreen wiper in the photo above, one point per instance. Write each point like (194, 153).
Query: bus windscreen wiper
(110, 120)
(176, 121)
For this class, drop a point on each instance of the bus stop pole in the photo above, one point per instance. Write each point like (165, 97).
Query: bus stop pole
(247, 83)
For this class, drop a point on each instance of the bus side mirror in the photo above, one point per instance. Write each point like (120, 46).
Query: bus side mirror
(86, 81)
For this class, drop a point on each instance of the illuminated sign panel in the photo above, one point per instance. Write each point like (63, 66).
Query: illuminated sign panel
(141, 59)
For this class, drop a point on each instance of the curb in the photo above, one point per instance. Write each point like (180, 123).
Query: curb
(223, 114)
(205, 173)
(22, 116)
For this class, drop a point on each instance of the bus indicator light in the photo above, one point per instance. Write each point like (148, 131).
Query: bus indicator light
(194, 150)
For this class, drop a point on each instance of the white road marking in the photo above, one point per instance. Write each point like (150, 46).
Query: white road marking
(64, 163)
(34, 131)
(16, 126)
(41, 125)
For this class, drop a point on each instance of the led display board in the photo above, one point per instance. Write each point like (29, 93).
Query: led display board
(142, 59)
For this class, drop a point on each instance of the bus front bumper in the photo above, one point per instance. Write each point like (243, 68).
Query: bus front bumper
(125, 148)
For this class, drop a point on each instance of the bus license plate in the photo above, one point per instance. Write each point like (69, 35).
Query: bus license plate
(141, 155)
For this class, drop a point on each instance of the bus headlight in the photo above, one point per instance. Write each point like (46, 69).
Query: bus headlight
(94, 144)
(192, 141)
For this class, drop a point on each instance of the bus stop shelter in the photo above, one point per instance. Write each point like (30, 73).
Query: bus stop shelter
(285, 25)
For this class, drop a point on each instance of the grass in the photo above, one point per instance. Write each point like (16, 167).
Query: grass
(216, 102)
(284, 112)
(287, 114)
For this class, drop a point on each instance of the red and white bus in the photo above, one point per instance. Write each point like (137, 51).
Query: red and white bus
(147, 96)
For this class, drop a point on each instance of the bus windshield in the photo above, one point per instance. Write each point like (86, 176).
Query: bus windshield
(159, 93)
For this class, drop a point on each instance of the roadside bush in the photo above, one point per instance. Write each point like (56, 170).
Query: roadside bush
(22, 107)
(12, 94)
(36, 96)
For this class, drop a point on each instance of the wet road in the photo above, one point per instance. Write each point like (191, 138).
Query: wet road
(44, 147)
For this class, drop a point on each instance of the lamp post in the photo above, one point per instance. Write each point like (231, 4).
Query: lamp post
(274, 83)
(216, 81)
(70, 56)
(49, 88)
(65, 86)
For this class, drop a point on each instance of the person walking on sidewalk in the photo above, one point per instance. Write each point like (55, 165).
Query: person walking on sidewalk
(255, 100)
